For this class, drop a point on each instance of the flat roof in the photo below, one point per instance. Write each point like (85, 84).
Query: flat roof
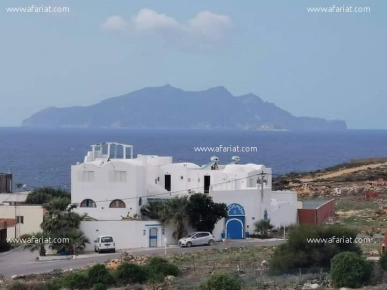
(13, 197)
(313, 203)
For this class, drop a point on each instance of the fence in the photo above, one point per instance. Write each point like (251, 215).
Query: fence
(254, 274)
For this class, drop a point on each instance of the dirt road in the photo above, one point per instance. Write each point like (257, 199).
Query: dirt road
(344, 171)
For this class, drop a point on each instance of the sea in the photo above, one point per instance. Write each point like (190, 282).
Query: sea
(43, 157)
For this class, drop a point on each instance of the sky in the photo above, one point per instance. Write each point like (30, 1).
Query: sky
(331, 65)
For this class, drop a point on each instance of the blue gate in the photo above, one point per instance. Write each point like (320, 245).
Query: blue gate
(235, 222)
(153, 237)
(235, 227)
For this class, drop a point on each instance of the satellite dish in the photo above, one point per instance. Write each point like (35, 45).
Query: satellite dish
(214, 159)
(235, 159)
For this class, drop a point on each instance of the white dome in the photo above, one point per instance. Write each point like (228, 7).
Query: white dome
(233, 168)
(252, 167)
(190, 165)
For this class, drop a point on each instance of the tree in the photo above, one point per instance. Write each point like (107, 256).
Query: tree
(62, 223)
(46, 194)
(262, 227)
(350, 270)
(152, 209)
(60, 218)
(203, 213)
(37, 242)
(74, 242)
(305, 249)
(174, 211)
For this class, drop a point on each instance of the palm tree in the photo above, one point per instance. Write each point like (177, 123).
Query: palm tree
(62, 223)
(174, 211)
(152, 209)
(60, 217)
(36, 242)
(74, 243)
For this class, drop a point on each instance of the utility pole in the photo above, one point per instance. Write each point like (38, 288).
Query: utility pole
(262, 180)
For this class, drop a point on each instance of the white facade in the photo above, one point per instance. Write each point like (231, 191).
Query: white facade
(28, 218)
(110, 184)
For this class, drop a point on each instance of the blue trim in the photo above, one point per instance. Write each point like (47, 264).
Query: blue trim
(235, 209)
(153, 225)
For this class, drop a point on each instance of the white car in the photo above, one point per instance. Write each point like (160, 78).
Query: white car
(197, 239)
(104, 244)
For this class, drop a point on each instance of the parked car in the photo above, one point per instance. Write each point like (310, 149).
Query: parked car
(197, 239)
(104, 244)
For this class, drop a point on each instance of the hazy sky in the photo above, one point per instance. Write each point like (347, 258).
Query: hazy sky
(330, 65)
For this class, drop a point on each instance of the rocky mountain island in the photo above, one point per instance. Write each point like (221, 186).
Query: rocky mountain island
(169, 107)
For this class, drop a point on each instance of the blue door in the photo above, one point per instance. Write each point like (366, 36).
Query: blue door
(153, 237)
(235, 227)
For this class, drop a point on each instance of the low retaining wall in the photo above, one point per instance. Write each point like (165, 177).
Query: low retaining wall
(54, 258)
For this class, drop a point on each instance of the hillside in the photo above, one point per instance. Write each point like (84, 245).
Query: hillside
(169, 107)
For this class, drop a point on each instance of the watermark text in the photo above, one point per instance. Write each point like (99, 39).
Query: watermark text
(338, 9)
(340, 240)
(38, 9)
(230, 148)
(34, 240)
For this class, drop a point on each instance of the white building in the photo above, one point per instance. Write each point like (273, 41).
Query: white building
(111, 183)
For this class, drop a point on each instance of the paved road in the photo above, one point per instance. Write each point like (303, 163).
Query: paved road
(22, 262)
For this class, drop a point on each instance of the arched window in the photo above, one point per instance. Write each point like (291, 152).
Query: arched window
(88, 203)
(117, 203)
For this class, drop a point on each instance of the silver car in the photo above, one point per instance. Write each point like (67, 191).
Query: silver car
(197, 239)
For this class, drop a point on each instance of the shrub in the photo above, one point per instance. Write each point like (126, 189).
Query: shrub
(98, 274)
(17, 286)
(130, 274)
(4, 246)
(54, 284)
(350, 270)
(25, 237)
(221, 282)
(76, 281)
(158, 268)
(299, 253)
(100, 286)
(25, 286)
(383, 261)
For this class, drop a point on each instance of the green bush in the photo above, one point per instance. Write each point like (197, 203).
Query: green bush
(54, 284)
(100, 286)
(127, 273)
(17, 286)
(350, 270)
(98, 274)
(383, 261)
(158, 268)
(4, 246)
(299, 253)
(221, 282)
(76, 281)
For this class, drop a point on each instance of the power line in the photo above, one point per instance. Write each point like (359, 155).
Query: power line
(181, 191)
(167, 193)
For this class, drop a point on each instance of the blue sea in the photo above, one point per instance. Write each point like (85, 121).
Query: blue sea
(38, 157)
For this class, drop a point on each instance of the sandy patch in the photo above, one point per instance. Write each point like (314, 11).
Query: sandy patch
(344, 171)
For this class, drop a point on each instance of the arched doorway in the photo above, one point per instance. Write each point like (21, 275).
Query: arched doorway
(235, 222)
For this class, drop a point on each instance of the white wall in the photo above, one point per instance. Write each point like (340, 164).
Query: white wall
(127, 234)
(249, 199)
(282, 212)
(285, 212)
(32, 218)
(102, 190)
